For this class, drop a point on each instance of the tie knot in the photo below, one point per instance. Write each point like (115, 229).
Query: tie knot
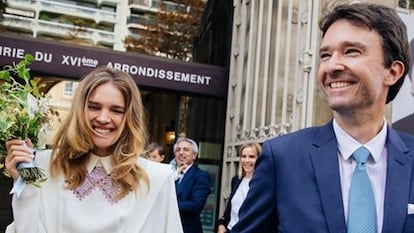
(361, 155)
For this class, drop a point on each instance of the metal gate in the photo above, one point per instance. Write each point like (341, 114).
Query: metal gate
(272, 87)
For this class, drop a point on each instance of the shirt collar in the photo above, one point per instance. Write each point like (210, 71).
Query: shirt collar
(185, 170)
(347, 145)
(97, 161)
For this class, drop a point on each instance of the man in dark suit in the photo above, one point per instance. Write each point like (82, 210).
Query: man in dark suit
(303, 181)
(192, 185)
(406, 124)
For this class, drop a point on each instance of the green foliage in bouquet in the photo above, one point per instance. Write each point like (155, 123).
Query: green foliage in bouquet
(24, 113)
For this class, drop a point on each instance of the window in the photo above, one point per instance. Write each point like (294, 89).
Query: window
(68, 88)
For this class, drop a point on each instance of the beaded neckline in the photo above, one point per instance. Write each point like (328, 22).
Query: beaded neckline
(98, 179)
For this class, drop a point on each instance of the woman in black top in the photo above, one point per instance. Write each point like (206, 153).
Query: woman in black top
(239, 186)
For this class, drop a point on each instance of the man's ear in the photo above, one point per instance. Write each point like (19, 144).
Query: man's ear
(396, 71)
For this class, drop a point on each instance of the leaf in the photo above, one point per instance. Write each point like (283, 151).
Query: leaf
(35, 90)
(23, 73)
(5, 75)
(29, 58)
(15, 119)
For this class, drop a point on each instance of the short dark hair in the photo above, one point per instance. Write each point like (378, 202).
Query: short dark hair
(385, 21)
(155, 146)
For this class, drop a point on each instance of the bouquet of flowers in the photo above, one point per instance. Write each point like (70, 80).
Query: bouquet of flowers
(23, 114)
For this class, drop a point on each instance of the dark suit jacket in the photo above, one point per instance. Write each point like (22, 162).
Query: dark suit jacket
(296, 185)
(225, 219)
(405, 124)
(192, 193)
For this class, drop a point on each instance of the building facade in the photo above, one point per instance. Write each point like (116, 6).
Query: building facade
(268, 46)
(49, 28)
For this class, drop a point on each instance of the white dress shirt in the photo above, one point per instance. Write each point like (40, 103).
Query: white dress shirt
(237, 201)
(376, 166)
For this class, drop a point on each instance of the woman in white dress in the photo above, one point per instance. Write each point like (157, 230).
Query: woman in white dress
(97, 182)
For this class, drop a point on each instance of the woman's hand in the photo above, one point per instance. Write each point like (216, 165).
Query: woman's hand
(221, 229)
(18, 151)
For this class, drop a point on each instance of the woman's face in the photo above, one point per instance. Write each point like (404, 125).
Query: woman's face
(248, 160)
(106, 111)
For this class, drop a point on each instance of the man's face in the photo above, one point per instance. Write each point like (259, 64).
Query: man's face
(351, 72)
(184, 153)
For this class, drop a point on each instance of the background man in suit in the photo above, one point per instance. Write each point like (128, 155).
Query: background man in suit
(305, 187)
(192, 185)
(406, 124)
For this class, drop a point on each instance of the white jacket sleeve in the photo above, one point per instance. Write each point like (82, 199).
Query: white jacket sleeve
(26, 212)
(169, 216)
(158, 210)
(27, 208)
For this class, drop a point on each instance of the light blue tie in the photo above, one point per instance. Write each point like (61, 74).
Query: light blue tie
(362, 214)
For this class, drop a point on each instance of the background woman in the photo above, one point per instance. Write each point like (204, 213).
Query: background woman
(97, 181)
(239, 186)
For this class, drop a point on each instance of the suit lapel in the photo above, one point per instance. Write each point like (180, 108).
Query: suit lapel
(179, 186)
(324, 157)
(399, 169)
(190, 173)
(397, 189)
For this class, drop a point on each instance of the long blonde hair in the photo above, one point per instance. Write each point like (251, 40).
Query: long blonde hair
(73, 141)
(256, 147)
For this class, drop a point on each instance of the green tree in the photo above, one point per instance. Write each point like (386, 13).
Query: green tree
(403, 4)
(171, 31)
(3, 5)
